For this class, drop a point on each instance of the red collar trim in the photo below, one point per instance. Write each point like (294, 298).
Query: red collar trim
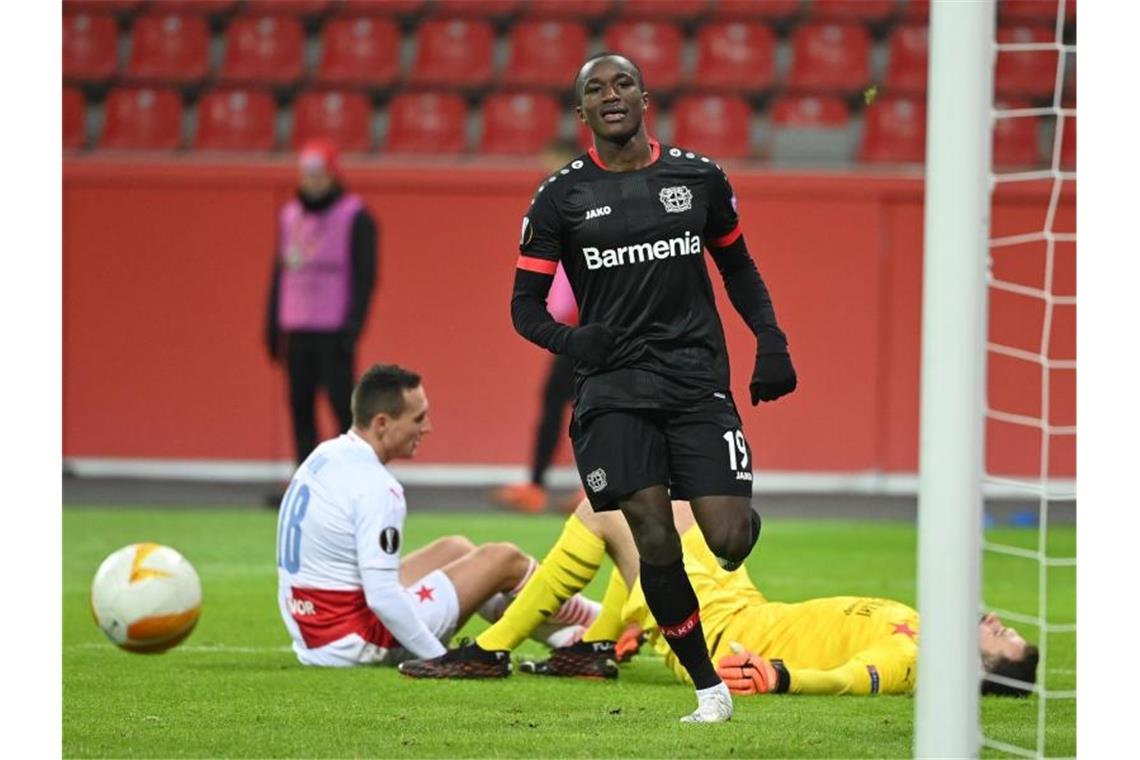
(654, 154)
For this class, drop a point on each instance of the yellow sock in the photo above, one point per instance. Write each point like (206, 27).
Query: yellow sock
(572, 563)
(608, 624)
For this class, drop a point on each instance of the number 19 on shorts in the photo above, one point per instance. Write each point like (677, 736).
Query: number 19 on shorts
(737, 450)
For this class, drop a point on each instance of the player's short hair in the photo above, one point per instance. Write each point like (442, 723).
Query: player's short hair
(381, 389)
(580, 82)
(1022, 669)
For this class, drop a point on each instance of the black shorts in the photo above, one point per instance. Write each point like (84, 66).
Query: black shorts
(701, 451)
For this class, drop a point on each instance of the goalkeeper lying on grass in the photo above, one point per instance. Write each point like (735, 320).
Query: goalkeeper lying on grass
(836, 645)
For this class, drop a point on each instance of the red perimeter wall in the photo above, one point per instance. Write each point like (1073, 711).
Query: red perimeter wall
(166, 266)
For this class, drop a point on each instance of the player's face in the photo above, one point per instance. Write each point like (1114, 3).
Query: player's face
(996, 640)
(314, 184)
(403, 433)
(612, 103)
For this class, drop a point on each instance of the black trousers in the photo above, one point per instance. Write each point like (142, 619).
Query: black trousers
(556, 394)
(317, 360)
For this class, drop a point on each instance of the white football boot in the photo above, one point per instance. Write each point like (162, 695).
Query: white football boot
(714, 705)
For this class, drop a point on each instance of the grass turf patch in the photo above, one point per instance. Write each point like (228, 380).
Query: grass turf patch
(234, 688)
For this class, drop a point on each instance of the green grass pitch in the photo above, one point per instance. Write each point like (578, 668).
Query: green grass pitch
(234, 689)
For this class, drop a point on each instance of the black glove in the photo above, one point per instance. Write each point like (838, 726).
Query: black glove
(773, 375)
(591, 344)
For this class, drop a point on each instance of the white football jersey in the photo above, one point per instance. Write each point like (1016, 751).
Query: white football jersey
(343, 512)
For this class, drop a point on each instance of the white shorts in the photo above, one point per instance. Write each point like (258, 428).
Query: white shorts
(435, 602)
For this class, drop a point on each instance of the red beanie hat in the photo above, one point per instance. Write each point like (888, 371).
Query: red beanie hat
(318, 154)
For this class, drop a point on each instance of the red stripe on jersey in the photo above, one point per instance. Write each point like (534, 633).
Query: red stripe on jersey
(327, 616)
(535, 264)
(654, 154)
(729, 239)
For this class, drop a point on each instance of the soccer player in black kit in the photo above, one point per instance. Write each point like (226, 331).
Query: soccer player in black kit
(654, 416)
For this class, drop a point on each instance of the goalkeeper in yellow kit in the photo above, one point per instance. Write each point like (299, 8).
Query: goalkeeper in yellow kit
(834, 645)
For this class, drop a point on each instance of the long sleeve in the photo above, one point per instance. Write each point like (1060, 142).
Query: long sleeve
(387, 598)
(529, 314)
(364, 257)
(885, 669)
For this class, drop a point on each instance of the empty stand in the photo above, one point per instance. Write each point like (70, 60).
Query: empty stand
(1015, 143)
(894, 131)
(519, 123)
(1025, 73)
(476, 8)
(236, 119)
(861, 11)
(1043, 12)
(169, 48)
(379, 7)
(1069, 145)
(716, 125)
(426, 122)
(675, 10)
(916, 10)
(585, 10)
(74, 118)
(809, 129)
(263, 50)
(202, 7)
(90, 47)
(655, 46)
(545, 54)
(453, 53)
(750, 10)
(909, 55)
(102, 6)
(299, 8)
(735, 56)
(359, 52)
(345, 118)
(142, 118)
(830, 58)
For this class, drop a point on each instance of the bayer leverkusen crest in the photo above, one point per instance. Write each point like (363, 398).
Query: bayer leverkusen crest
(676, 199)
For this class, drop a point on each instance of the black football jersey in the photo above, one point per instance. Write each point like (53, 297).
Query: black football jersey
(632, 245)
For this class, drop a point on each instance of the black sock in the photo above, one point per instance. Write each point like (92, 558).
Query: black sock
(671, 599)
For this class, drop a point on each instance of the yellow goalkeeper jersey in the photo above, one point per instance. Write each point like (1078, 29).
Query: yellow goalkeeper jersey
(835, 645)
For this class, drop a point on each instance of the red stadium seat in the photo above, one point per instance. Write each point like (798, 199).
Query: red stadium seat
(909, 54)
(427, 122)
(169, 48)
(1015, 139)
(579, 9)
(201, 7)
(90, 47)
(379, 7)
(124, 7)
(74, 118)
(236, 119)
(1043, 12)
(807, 129)
(717, 125)
(363, 52)
(863, 11)
(300, 8)
(476, 8)
(735, 56)
(545, 54)
(674, 10)
(1069, 145)
(894, 131)
(453, 53)
(655, 47)
(750, 10)
(142, 118)
(586, 137)
(263, 50)
(345, 118)
(830, 58)
(519, 123)
(916, 10)
(1031, 73)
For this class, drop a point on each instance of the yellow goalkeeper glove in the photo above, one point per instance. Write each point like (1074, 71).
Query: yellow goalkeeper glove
(746, 673)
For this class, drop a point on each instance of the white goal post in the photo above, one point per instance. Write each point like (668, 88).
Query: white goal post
(951, 434)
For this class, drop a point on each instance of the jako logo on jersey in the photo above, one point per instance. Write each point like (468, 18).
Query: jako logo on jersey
(676, 199)
(642, 252)
(301, 607)
(596, 480)
(594, 213)
(390, 540)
